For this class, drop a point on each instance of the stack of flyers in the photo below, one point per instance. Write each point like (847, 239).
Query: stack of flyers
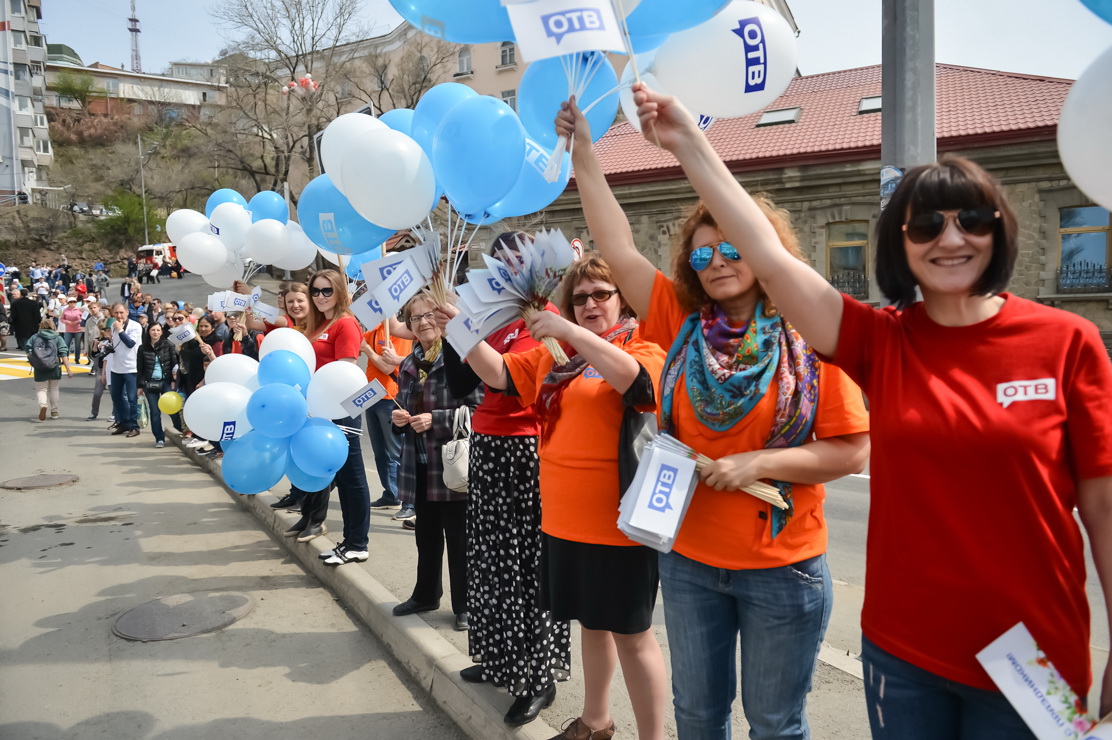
(233, 302)
(512, 286)
(656, 502)
(392, 280)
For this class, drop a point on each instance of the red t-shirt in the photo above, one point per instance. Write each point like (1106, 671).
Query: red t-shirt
(499, 414)
(979, 436)
(341, 340)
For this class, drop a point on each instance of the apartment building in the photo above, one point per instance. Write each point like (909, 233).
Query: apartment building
(25, 150)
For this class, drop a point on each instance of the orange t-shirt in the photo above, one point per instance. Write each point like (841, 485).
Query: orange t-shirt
(377, 339)
(731, 529)
(579, 460)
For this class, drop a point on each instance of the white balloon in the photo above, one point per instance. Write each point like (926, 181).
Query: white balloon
(1083, 131)
(388, 179)
(625, 91)
(225, 275)
(735, 64)
(238, 369)
(185, 221)
(300, 251)
(266, 241)
(294, 341)
(216, 409)
(230, 222)
(330, 385)
(201, 252)
(339, 136)
(333, 258)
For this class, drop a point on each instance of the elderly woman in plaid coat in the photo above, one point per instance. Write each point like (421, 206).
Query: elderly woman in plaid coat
(425, 420)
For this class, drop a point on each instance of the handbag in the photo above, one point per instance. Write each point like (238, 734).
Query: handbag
(455, 452)
(152, 386)
(637, 429)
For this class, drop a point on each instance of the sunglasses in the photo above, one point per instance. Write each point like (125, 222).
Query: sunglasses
(414, 320)
(701, 257)
(926, 227)
(326, 292)
(598, 296)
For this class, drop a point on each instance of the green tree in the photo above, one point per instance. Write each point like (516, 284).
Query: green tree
(77, 86)
(124, 229)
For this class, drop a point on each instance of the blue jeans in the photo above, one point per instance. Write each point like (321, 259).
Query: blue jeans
(73, 344)
(351, 486)
(386, 446)
(908, 703)
(780, 615)
(125, 400)
(156, 414)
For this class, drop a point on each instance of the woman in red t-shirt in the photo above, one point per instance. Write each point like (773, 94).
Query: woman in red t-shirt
(337, 337)
(991, 422)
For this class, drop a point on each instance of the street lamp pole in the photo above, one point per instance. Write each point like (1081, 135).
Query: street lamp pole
(143, 189)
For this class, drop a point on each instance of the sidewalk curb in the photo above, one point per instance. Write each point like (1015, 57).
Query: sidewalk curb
(432, 661)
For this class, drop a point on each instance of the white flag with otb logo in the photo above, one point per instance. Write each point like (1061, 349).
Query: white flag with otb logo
(551, 28)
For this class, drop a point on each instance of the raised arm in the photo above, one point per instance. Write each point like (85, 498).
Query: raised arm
(812, 304)
(617, 367)
(1094, 504)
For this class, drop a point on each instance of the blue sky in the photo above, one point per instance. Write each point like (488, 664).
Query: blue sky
(1057, 38)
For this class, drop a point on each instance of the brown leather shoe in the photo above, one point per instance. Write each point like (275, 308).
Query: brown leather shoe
(132, 433)
(579, 731)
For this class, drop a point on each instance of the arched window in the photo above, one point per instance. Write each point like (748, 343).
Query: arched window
(509, 54)
(465, 61)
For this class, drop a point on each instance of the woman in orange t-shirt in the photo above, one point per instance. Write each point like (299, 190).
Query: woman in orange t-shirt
(594, 573)
(740, 386)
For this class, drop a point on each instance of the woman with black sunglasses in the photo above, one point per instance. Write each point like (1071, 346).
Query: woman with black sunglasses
(992, 423)
(742, 387)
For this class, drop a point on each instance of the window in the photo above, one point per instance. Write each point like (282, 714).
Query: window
(36, 40)
(1084, 235)
(19, 40)
(17, 7)
(509, 97)
(40, 120)
(25, 137)
(23, 104)
(204, 97)
(778, 117)
(847, 257)
(464, 62)
(22, 73)
(508, 54)
(869, 105)
(42, 146)
(112, 86)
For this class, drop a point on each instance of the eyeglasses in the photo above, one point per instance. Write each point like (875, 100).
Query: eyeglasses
(598, 296)
(926, 227)
(326, 292)
(414, 320)
(701, 257)
(177, 319)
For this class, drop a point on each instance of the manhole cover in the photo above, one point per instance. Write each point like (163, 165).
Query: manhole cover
(38, 481)
(182, 615)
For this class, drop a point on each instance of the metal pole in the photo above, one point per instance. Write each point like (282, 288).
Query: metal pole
(908, 86)
(143, 190)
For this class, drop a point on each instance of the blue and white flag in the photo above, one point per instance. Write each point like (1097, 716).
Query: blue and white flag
(552, 28)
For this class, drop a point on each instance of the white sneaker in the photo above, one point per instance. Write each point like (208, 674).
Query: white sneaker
(347, 556)
(197, 442)
(159, 445)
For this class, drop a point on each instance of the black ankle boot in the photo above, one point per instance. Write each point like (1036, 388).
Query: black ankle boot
(526, 708)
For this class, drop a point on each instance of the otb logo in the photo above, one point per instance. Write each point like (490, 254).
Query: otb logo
(386, 270)
(496, 286)
(536, 156)
(214, 230)
(364, 398)
(228, 433)
(660, 500)
(756, 63)
(1026, 390)
(403, 281)
(558, 25)
(374, 305)
(330, 233)
(432, 26)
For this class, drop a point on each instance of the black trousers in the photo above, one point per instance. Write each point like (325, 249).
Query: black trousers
(440, 522)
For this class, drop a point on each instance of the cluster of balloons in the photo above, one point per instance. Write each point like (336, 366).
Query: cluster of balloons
(1083, 141)
(217, 243)
(303, 86)
(272, 416)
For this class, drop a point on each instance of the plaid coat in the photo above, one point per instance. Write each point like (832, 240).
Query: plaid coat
(435, 397)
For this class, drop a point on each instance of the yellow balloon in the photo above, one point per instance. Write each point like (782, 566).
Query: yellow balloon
(170, 403)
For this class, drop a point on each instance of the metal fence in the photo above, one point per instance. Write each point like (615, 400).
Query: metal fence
(851, 282)
(1084, 277)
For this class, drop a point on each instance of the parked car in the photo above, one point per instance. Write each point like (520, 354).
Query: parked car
(80, 207)
(98, 210)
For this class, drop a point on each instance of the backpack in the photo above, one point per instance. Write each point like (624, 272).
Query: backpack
(44, 353)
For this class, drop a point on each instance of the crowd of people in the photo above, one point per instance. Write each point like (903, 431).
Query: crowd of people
(751, 358)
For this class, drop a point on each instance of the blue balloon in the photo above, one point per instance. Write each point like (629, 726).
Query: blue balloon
(431, 109)
(319, 448)
(1103, 8)
(332, 224)
(268, 204)
(399, 119)
(662, 17)
(531, 192)
(471, 22)
(277, 410)
(641, 44)
(223, 195)
(303, 480)
(477, 153)
(283, 366)
(256, 463)
(544, 86)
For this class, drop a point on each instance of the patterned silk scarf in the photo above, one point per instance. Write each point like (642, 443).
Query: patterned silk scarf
(728, 370)
(558, 377)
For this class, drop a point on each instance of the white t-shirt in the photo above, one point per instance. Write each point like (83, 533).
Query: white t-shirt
(124, 359)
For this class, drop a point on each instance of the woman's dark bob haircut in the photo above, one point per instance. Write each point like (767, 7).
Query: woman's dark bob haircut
(953, 183)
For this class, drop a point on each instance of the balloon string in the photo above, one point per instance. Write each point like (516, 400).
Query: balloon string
(617, 88)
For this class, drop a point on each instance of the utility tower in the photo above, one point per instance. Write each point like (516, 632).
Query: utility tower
(133, 27)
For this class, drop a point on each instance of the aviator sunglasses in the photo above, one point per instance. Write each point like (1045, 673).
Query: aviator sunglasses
(702, 256)
(926, 227)
(326, 292)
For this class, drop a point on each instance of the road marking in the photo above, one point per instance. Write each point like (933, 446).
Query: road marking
(842, 661)
(16, 366)
(859, 475)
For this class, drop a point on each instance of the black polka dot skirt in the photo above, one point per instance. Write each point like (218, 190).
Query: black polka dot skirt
(520, 647)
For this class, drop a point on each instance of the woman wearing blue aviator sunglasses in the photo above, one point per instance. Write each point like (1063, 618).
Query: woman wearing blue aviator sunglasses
(740, 386)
